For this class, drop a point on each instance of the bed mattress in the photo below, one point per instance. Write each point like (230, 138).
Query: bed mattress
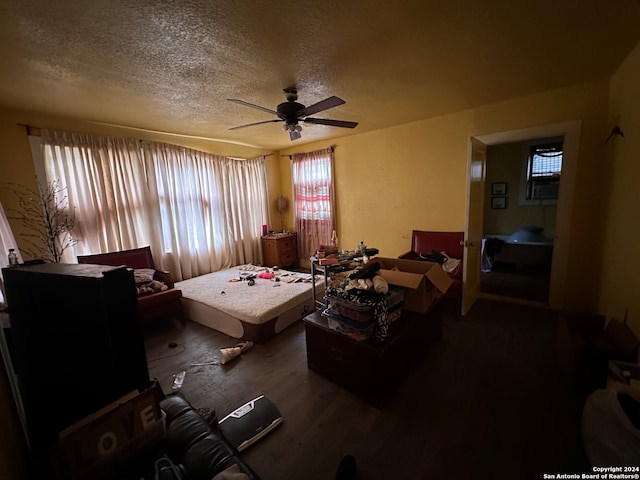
(257, 312)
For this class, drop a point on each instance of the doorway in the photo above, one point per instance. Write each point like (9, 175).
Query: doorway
(570, 132)
(519, 220)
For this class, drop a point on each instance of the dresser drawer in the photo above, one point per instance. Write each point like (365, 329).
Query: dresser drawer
(288, 258)
(287, 244)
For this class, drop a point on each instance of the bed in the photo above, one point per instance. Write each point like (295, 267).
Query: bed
(257, 312)
(527, 248)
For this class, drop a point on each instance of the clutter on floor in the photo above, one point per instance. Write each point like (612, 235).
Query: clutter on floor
(228, 354)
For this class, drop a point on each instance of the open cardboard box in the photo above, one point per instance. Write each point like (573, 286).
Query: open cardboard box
(424, 282)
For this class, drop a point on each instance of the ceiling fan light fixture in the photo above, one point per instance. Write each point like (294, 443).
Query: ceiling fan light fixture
(291, 112)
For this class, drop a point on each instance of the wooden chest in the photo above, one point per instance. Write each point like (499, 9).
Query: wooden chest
(370, 368)
(280, 249)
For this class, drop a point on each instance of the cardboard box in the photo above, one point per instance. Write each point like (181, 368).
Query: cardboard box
(113, 434)
(424, 282)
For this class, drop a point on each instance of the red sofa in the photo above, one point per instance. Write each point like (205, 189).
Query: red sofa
(452, 243)
(152, 304)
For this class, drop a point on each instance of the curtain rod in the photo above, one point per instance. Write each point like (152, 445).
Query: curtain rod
(331, 147)
(29, 127)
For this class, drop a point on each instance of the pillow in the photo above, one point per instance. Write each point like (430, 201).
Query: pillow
(143, 275)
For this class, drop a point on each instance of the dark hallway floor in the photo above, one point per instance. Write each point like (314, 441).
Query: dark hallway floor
(532, 286)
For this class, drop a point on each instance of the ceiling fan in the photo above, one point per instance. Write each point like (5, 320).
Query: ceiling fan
(291, 112)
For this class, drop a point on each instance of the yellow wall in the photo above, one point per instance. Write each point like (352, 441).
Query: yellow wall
(620, 251)
(504, 164)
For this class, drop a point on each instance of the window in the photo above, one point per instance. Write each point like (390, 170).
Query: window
(313, 195)
(541, 179)
(199, 212)
(313, 199)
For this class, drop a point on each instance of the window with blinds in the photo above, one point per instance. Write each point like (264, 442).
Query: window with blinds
(543, 173)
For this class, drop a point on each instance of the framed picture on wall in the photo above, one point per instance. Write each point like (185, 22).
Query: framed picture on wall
(499, 188)
(498, 202)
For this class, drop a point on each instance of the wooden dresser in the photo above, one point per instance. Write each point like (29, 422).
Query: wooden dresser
(280, 249)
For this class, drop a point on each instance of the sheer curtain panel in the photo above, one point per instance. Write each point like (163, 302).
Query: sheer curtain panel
(313, 197)
(199, 212)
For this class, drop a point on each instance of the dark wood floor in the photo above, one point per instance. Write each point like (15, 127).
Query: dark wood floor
(525, 285)
(486, 402)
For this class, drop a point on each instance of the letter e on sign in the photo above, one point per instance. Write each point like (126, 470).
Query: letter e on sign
(147, 416)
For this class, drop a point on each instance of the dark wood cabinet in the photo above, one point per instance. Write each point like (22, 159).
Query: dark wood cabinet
(75, 342)
(280, 249)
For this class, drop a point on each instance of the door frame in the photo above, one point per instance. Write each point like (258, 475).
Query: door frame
(570, 130)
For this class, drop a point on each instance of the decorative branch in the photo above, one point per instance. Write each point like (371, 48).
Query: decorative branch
(46, 218)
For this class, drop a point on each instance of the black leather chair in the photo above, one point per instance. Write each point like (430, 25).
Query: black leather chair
(195, 449)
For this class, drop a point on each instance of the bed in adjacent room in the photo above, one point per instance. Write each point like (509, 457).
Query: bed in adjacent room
(228, 302)
(528, 247)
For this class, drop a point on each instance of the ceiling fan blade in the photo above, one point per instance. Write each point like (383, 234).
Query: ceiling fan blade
(332, 123)
(252, 124)
(325, 104)
(247, 104)
(294, 135)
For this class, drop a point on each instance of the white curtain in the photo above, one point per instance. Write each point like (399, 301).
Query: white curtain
(199, 212)
(313, 199)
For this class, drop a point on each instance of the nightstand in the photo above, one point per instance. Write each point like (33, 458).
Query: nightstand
(280, 249)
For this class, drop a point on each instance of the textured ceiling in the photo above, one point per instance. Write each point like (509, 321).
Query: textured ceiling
(171, 65)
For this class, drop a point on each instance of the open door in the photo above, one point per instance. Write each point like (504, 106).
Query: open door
(473, 229)
(475, 206)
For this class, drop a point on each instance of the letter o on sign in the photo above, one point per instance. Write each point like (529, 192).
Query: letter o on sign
(107, 442)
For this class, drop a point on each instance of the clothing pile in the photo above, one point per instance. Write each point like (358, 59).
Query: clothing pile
(448, 264)
(363, 305)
